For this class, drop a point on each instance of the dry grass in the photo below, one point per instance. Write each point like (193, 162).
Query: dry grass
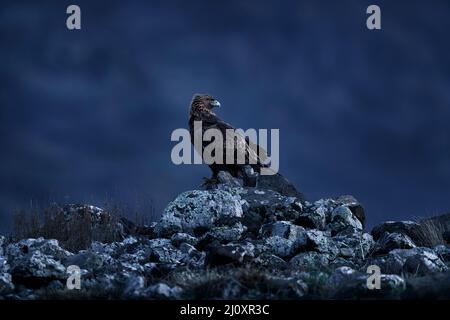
(430, 233)
(73, 234)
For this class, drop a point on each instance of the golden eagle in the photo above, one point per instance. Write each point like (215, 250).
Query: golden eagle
(201, 109)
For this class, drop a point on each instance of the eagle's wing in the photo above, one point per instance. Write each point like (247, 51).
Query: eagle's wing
(240, 145)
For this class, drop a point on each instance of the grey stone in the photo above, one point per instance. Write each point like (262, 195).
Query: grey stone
(321, 241)
(342, 217)
(309, 261)
(229, 253)
(163, 291)
(410, 228)
(180, 237)
(195, 211)
(391, 241)
(224, 233)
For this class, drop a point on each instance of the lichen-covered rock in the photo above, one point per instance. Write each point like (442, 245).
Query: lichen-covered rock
(346, 283)
(312, 219)
(180, 237)
(354, 244)
(269, 261)
(163, 291)
(413, 261)
(163, 251)
(6, 284)
(236, 241)
(265, 206)
(36, 262)
(224, 233)
(192, 257)
(197, 211)
(391, 241)
(443, 252)
(322, 242)
(354, 205)
(283, 238)
(310, 261)
(423, 264)
(410, 228)
(342, 218)
(229, 253)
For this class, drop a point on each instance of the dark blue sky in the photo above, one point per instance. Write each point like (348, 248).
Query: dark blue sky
(86, 116)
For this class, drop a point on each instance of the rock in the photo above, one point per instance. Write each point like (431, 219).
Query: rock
(443, 252)
(354, 244)
(36, 262)
(281, 247)
(312, 219)
(163, 291)
(193, 258)
(308, 261)
(346, 283)
(270, 261)
(36, 269)
(355, 207)
(342, 218)
(6, 284)
(195, 212)
(225, 178)
(415, 261)
(265, 206)
(288, 287)
(408, 228)
(163, 251)
(391, 241)
(283, 238)
(229, 253)
(279, 184)
(134, 287)
(319, 241)
(179, 238)
(423, 264)
(284, 229)
(224, 233)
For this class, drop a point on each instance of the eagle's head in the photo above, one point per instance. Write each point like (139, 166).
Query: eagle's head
(203, 103)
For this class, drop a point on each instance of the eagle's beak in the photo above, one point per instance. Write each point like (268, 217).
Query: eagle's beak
(215, 104)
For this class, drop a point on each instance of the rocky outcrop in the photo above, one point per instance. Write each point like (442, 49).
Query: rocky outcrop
(239, 242)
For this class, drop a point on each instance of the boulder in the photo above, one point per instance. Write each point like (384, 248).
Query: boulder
(413, 261)
(391, 241)
(229, 253)
(354, 244)
(195, 212)
(309, 261)
(321, 242)
(355, 207)
(346, 283)
(283, 238)
(343, 218)
(6, 284)
(36, 262)
(409, 228)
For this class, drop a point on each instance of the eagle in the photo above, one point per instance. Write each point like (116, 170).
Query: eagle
(202, 109)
